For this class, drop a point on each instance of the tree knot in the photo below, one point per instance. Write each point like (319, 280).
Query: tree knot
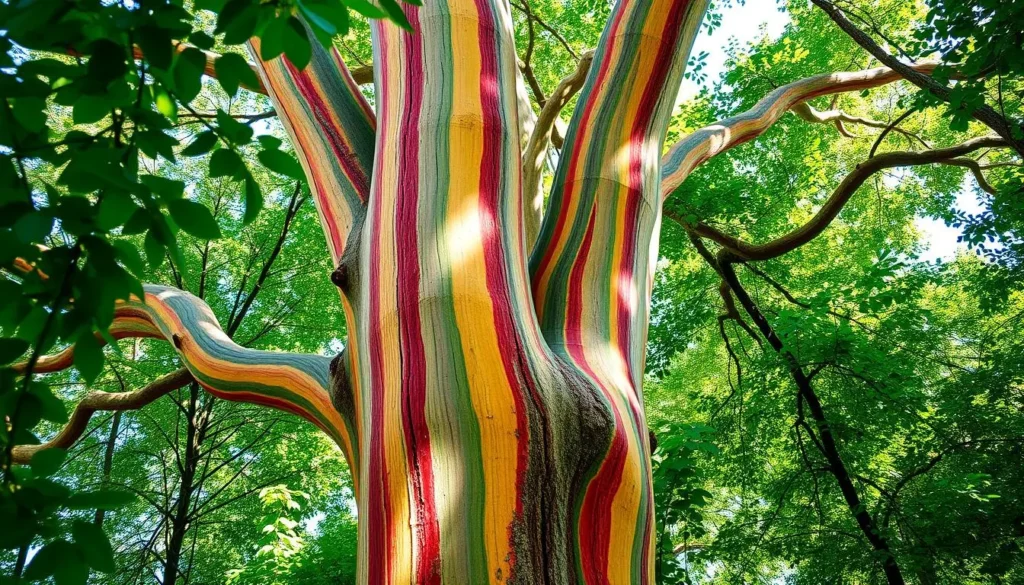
(340, 276)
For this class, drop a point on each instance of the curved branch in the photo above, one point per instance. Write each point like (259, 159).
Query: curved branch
(123, 328)
(296, 383)
(975, 169)
(525, 9)
(701, 145)
(984, 114)
(835, 203)
(892, 126)
(808, 113)
(104, 401)
(840, 118)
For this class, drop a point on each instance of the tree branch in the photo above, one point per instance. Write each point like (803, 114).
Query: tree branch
(840, 118)
(524, 7)
(295, 383)
(703, 144)
(826, 441)
(984, 114)
(835, 203)
(293, 208)
(975, 168)
(104, 401)
(604, 199)
(333, 129)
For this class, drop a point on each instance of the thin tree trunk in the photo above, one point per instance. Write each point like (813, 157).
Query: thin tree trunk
(827, 443)
(108, 459)
(180, 521)
(19, 564)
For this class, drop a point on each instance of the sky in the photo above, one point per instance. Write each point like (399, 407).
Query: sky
(747, 23)
(743, 22)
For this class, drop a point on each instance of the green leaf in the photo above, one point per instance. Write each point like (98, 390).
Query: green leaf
(12, 348)
(215, 6)
(33, 227)
(157, 46)
(234, 131)
(94, 545)
(129, 255)
(201, 40)
(137, 223)
(272, 39)
(238, 20)
(226, 163)
(72, 571)
(88, 356)
(366, 8)
(49, 558)
(253, 200)
(155, 143)
(194, 219)
(330, 17)
(296, 43)
(234, 71)
(51, 408)
(204, 142)
(168, 189)
(282, 163)
(30, 112)
(100, 500)
(114, 210)
(164, 103)
(108, 62)
(269, 142)
(154, 250)
(187, 71)
(395, 13)
(46, 462)
(89, 109)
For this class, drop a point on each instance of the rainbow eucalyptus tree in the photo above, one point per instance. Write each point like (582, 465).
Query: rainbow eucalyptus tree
(489, 399)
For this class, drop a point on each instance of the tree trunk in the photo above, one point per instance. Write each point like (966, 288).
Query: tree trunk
(826, 441)
(108, 459)
(487, 447)
(489, 398)
(182, 509)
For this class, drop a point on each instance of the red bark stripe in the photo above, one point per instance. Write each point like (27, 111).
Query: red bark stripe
(332, 129)
(334, 135)
(490, 209)
(414, 367)
(595, 513)
(378, 515)
(628, 300)
(574, 161)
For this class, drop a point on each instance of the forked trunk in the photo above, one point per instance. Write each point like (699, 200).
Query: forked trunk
(491, 401)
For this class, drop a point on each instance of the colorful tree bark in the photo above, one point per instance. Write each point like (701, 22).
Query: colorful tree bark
(332, 129)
